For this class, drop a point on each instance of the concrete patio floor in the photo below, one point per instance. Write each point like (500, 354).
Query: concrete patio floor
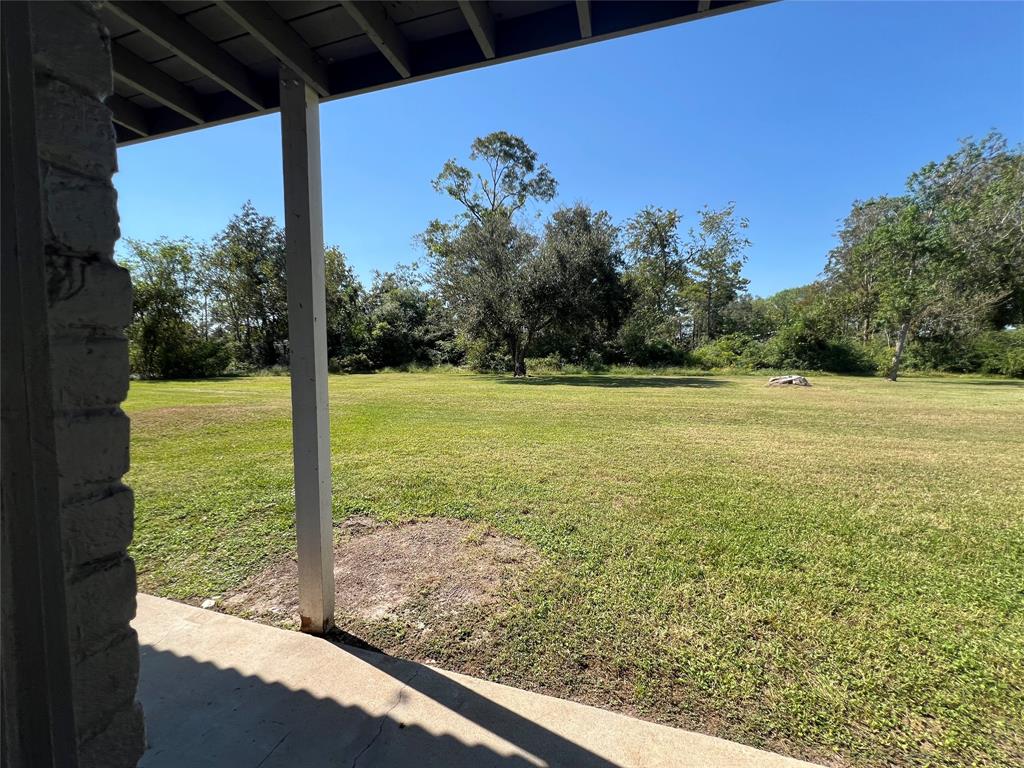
(221, 691)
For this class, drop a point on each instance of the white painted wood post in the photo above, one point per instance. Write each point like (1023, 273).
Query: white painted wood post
(307, 339)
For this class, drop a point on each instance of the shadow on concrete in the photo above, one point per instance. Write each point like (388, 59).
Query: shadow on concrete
(198, 714)
(526, 734)
(619, 382)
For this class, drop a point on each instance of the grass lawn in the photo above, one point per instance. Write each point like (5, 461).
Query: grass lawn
(836, 572)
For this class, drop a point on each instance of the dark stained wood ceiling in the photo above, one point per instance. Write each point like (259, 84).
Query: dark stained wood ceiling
(182, 65)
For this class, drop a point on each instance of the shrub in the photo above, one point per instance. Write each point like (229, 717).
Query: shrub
(724, 352)
(594, 362)
(546, 364)
(181, 354)
(1014, 363)
(875, 356)
(447, 351)
(643, 348)
(942, 353)
(210, 358)
(278, 369)
(999, 352)
(996, 352)
(484, 358)
(796, 347)
(239, 368)
(356, 363)
(553, 363)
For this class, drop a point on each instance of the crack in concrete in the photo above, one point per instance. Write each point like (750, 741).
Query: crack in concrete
(272, 751)
(384, 719)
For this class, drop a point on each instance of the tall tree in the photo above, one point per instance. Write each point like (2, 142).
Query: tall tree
(247, 267)
(485, 274)
(170, 336)
(345, 305)
(578, 295)
(976, 197)
(657, 262)
(945, 258)
(851, 272)
(508, 177)
(716, 254)
(913, 271)
(658, 278)
(484, 263)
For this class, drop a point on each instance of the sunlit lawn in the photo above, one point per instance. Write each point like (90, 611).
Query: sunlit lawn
(836, 572)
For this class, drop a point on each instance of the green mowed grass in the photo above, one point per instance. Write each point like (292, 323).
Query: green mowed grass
(834, 572)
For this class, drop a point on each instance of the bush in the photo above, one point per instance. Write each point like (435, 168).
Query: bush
(591, 363)
(239, 368)
(210, 358)
(182, 354)
(546, 364)
(876, 356)
(954, 354)
(594, 362)
(725, 352)
(1014, 364)
(999, 352)
(796, 347)
(277, 369)
(482, 357)
(640, 346)
(447, 351)
(357, 363)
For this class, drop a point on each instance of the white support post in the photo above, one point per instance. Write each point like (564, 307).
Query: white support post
(307, 338)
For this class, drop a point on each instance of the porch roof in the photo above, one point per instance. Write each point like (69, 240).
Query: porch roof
(186, 64)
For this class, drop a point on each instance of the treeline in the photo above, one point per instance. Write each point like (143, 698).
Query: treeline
(931, 280)
(207, 309)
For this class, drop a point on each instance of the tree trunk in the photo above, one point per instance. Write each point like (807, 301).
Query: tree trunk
(520, 366)
(517, 350)
(708, 320)
(901, 342)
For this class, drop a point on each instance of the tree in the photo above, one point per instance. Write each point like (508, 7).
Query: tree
(577, 290)
(485, 262)
(808, 333)
(748, 315)
(345, 305)
(657, 278)
(851, 272)
(247, 272)
(942, 261)
(762, 318)
(976, 197)
(398, 318)
(169, 336)
(509, 179)
(716, 254)
(914, 270)
(484, 273)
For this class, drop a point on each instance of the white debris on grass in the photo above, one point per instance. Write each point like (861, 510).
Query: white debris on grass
(781, 381)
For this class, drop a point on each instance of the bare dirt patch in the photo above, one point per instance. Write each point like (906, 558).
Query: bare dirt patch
(398, 582)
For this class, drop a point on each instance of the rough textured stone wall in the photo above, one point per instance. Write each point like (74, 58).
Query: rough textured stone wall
(89, 306)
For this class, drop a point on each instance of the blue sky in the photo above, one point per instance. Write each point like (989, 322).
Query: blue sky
(791, 110)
